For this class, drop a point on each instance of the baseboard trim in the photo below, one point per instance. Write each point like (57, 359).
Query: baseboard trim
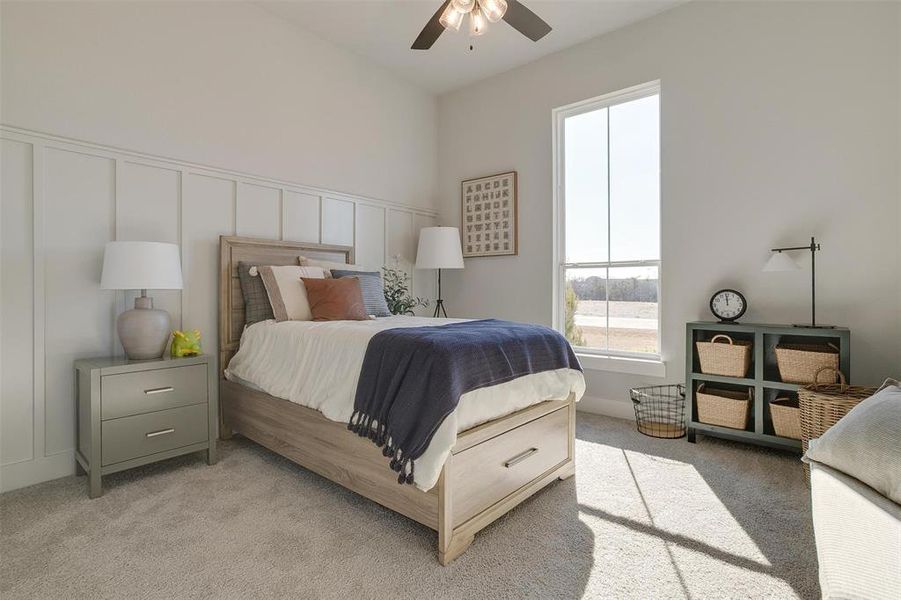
(603, 406)
(29, 472)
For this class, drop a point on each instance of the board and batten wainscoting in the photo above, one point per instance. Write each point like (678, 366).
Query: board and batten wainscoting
(63, 199)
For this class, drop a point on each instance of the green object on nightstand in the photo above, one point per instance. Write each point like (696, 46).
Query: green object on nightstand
(131, 413)
(185, 343)
(763, 378)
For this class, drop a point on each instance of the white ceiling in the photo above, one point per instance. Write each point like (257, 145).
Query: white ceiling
(382, 31)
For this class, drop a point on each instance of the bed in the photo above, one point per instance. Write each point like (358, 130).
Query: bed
(490, 467)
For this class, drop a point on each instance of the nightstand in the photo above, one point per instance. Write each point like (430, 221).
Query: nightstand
(134, 412)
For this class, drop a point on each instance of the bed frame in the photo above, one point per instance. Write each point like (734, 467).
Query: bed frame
(492, 468)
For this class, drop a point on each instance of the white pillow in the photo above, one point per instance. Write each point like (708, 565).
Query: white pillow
(328, 265)
(286, 291)
(866, 443)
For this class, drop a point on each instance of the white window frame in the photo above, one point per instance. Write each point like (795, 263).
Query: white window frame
(605, 359)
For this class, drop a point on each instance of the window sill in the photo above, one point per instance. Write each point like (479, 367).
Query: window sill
(620, 364)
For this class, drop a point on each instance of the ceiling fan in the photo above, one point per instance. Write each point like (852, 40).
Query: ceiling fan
(450, 15)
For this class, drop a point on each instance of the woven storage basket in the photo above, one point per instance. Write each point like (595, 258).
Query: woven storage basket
(731, 359)
(799, 363)
(725, 408)
(786, 416)
(824, 404)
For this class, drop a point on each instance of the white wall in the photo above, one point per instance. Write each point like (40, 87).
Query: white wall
(217, 83)
(779, 121)
(306, 142)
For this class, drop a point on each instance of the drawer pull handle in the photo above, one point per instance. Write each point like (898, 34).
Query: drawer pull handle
(161, 390)
(520, 457)
(153, 434)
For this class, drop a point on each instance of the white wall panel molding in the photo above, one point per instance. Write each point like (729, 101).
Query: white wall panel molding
(71, 197)
(17, 354)
(370, 236)
(300, 217)
(259, 211)
(28, 136)
(338, 221)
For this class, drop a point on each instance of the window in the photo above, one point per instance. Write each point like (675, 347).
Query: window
(607, 203)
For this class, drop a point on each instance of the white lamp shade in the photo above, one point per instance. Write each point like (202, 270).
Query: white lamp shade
(141, 266)
(439, 248)
(780, 261)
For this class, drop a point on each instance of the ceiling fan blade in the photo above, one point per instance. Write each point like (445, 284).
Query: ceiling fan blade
(525, 21)
(432, 30)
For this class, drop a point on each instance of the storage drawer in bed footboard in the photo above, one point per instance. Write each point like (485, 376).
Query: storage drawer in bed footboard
(490, 471)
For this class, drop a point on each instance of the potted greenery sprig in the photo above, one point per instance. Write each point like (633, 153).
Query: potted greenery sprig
(397, 292)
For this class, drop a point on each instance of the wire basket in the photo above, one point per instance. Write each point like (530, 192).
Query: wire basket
(660, 410)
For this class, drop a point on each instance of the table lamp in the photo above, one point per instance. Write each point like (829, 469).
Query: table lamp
(782, 262)
(142, 330)
(439, 248)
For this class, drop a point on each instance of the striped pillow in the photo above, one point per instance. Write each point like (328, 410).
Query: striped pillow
(372, 288)
(286, 292)
(866, 443)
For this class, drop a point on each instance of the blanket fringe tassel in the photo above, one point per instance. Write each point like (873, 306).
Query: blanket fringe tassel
(361, 424)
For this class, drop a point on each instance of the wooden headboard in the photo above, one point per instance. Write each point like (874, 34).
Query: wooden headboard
(233, 250)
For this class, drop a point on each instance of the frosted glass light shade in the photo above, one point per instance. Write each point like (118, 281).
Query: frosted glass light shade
(494, 9)
(451, 18)
(439, 248)
(477, 22)
(141, 266)
(463, 6)
(780, 261)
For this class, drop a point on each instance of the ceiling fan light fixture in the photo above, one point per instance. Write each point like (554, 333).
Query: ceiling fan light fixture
(451, 13)
(477, 22)
(494, 9)
(452, 18)
(463, 6)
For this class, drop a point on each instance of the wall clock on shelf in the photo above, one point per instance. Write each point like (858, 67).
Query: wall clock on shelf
(728, 305)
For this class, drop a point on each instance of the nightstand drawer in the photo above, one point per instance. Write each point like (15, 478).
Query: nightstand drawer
(142, 435)
(148, 391)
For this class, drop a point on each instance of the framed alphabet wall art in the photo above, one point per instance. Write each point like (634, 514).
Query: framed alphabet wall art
(490, 224)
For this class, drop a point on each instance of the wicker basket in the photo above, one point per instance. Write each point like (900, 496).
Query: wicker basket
(786, 416)
(725, 408)
(799, 363)
(823, 404)
(731, 359)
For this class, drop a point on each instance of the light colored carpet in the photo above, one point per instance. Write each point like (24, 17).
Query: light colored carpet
(643, 518)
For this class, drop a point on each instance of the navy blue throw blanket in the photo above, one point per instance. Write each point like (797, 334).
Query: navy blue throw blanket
(413, 377)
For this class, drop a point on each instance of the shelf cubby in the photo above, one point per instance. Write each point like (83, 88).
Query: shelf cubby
(770, 394)
(731, 386)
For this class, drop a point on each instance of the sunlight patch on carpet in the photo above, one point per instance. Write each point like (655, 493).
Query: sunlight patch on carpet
(671, 497)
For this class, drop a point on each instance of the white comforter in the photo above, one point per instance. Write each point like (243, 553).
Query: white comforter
(317, 364)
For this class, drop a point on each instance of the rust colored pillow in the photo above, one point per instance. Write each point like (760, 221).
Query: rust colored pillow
(335, 299)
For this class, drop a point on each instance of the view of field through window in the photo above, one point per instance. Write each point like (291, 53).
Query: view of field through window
(618, 312)
(612, 226)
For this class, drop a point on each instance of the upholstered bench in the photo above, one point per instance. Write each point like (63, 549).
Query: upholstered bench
(855, 482)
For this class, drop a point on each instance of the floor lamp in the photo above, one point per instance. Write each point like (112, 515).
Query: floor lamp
(439, 248)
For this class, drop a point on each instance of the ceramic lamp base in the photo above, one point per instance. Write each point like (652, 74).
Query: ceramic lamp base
(143, 330)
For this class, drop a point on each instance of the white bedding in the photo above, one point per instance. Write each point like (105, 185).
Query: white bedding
(317, 365)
